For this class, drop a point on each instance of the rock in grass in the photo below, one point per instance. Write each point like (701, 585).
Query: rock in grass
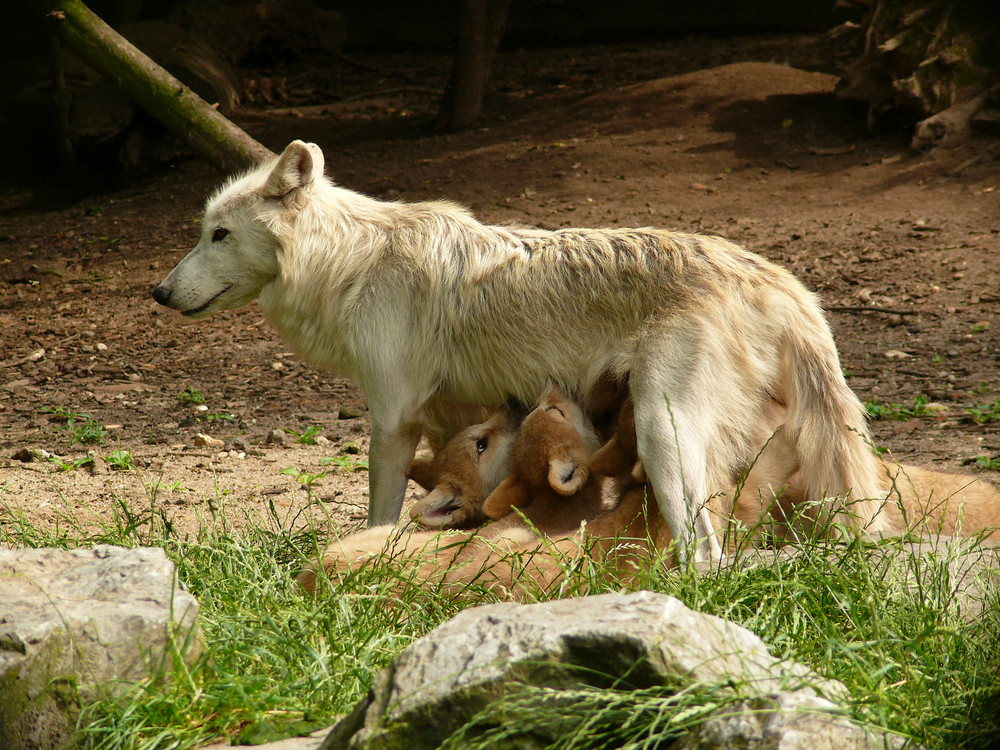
(76, 625)
(485, 655)
(797, 720)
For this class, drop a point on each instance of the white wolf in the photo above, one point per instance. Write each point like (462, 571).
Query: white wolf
(433, 312)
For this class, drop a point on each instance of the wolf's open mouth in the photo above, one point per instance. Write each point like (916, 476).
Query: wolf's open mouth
(204, 307)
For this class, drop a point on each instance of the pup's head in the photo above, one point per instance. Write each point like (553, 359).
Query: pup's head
(550, 453)
(464, 472)
(620, 455)
(237, 254)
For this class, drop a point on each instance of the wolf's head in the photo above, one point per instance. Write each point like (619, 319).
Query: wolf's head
(237, 254)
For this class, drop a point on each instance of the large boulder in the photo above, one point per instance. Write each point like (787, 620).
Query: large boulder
(76, 625)
(443, 680)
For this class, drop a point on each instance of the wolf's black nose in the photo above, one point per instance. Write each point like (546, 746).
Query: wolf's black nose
(161, 294)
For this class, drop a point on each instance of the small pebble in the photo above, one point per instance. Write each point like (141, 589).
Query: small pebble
(201, 439)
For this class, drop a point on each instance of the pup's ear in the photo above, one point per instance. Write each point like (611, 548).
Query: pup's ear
(421, 471)
(611, 459)
(298, 167)
(509, 494)
(566, 473)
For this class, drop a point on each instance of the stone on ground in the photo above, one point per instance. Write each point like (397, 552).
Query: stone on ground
(79, 624)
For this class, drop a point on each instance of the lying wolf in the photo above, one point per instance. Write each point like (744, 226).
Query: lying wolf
(431, 312)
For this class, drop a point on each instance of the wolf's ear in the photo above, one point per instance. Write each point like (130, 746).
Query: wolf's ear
(510, 494)
(421, 471)
(298, 167)
(566, 473)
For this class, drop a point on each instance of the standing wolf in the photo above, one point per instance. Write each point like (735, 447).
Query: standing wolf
(432, 312)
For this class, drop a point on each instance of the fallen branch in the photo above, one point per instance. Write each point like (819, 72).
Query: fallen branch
(862, 309)
(195, 122)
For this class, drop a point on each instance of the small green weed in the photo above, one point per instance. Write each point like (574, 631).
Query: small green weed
(219, 417)
(153, 488)
(897, 411)
(986, 412)
(307, 436)
(987, 462)
(80, 427)
(120, 460)
(83, 462)
(191, 396)
(345, 462)
(304, 478)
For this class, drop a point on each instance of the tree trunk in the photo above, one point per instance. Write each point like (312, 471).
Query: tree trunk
(480, 29)
(195, 122)
(932, 62)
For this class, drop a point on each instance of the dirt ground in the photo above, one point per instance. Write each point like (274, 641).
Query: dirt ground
(733, 137)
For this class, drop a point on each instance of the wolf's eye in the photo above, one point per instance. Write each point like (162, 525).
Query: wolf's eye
(219, 234)
(481, 444)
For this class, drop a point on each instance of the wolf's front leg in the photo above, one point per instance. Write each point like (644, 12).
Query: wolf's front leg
(390, 452)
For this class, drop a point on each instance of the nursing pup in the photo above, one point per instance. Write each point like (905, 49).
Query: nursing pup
(460, 476)
(522, 552)
(434, 313)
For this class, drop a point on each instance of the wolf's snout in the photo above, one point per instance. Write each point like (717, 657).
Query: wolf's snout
(161, 294)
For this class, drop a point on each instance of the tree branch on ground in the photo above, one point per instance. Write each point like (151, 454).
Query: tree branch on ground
(194, 121)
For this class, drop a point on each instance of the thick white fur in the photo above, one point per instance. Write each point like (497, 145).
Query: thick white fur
(430, 311)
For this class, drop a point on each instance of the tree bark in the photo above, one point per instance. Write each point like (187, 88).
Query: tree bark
(931, 62)
(195, 122)
(480, 29)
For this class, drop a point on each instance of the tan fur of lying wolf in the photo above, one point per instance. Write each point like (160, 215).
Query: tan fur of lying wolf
(428, 310)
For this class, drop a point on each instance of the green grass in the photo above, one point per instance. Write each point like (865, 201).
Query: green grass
(897, 411)
(277, 663)
(986, 412)
(79, 427)
(120, 460)
(191, 396)
(307, 436)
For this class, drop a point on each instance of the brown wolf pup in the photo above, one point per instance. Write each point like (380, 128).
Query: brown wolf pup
(520, 553)
(464, 472)
(548, 465)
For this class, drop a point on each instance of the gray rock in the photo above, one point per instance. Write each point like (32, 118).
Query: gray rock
(966, 568)
(78, 624)
(799, 720)
(444, 679)
(276, 437)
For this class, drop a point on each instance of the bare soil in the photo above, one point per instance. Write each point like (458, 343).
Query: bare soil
(715, 136)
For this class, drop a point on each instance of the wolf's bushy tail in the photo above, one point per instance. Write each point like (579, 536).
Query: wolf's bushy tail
(840, 473)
